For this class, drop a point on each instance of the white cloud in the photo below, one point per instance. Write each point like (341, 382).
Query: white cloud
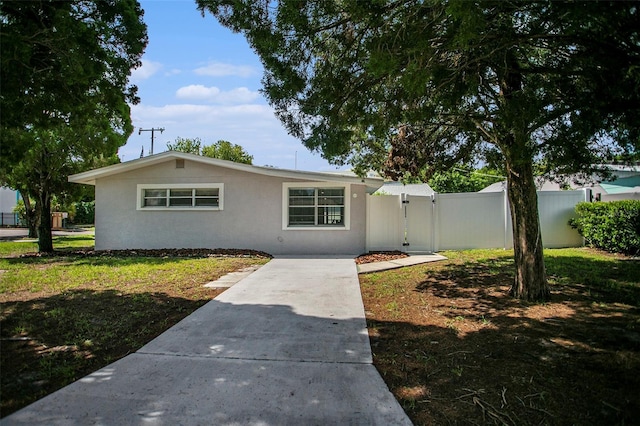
(186, 115)
(218, 69)
(239, 95)
(146, 70)
(198, 92)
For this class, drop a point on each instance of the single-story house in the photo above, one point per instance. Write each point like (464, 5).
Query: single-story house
(179, 200)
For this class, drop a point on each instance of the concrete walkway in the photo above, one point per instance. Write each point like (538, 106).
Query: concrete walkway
(286, 345)
(412, 260)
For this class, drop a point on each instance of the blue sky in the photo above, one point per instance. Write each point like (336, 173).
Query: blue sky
(198, 79)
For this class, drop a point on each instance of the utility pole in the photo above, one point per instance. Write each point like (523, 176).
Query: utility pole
(152, 130)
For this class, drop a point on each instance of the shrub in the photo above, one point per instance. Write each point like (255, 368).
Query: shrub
(85, 212)
(21, 210)
(612, 226)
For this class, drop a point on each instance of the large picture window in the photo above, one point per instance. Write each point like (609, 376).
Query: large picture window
(180, 196)
(315, 206)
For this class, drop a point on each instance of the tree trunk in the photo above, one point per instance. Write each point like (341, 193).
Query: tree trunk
(45, 240)
(530, 280)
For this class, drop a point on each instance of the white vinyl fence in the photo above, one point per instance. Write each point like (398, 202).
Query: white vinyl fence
(464, 221)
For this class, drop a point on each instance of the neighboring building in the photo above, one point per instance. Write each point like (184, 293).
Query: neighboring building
(625, 188)
(8, 200)
(623, 184)
(178, 200)
(621, 171)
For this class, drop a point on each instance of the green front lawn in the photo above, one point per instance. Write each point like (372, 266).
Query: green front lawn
(67, 315)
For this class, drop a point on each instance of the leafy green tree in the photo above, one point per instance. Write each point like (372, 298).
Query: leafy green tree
(65, 92)
(191, 146)
(463, 179)
(436, 83)
(225, 150)
(27, 215)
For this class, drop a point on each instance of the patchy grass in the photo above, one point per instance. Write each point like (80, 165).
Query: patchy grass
(65, 316)
(65, 273)
(454, 348)
(61, 243)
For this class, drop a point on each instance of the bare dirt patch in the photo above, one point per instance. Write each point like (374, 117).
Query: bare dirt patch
(454, 348)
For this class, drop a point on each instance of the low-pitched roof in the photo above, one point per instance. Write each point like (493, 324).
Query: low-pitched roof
(90, 177)
(622, 185)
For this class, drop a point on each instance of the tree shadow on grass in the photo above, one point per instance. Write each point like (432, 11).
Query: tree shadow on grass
(85, 238)
(474, 355)
(48, 342)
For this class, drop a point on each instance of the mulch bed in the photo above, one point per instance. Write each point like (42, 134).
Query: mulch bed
(155, 253)
(380, 256)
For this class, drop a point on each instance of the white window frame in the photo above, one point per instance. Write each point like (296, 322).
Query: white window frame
(285, 206)
(167, 186)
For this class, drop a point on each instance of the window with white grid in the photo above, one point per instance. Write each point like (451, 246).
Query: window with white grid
(319, 207)
(180, 197)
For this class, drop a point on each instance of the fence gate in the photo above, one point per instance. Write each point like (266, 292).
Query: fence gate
(400, 222)
(420, 222)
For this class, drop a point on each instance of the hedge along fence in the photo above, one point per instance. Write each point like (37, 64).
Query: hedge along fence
(85, 212)
(612, 226)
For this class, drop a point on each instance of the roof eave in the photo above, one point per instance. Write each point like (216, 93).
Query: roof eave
(90, 177)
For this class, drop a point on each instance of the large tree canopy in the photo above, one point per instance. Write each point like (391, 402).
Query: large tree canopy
(440, 82)
(65, 98)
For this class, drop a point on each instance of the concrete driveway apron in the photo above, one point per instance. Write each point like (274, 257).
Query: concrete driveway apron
(285, 346)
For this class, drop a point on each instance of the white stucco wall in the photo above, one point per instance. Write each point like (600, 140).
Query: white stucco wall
(251, 218)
